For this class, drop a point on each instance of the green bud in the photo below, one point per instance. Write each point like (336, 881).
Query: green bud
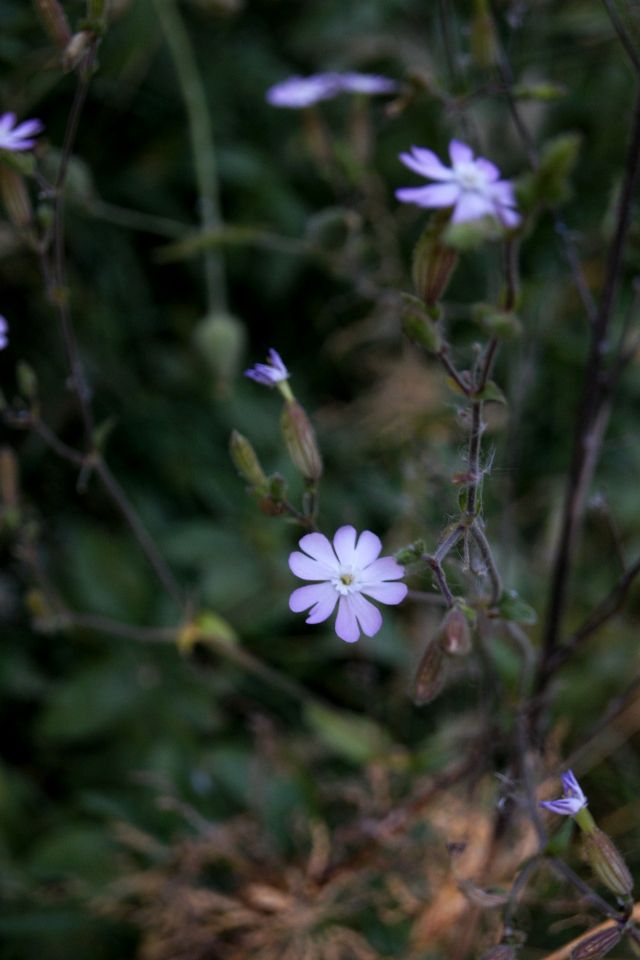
(431, 674)
(419, 325)
(246, 462)
(598, 944)
(220, 341)
(454, 634)
(27, 380)
(484, 43)
(410, 553)
(503, 324)
(433, 263)
(607, 863)
(300, 439)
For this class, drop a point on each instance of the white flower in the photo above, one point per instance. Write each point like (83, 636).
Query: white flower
(346, 571)
(471, 186)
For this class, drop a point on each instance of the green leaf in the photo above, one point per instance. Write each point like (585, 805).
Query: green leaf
(354, 737)
(491, 394)
(511, 607)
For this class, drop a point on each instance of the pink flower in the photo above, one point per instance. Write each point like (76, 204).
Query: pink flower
(270, 373)
(471, 186)
(20, 137)
(346, 572)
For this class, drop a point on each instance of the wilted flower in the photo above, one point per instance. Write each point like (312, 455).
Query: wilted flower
(573, 799)
(346, 571)
(20, 137)
(4, 332)
(471, 186)
(298, 92)
(270, 373)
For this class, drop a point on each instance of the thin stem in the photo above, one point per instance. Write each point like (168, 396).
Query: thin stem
(485, 551)
(473, 457)
(589, 427)
(623, 35)
(435, 563)
(456, 376)
(140, 532)
(594, 898)
(202, 144)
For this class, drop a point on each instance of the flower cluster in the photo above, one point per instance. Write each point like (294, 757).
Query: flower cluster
(18, 137)
(346, 572)
(471, 186)
(573, 799)
(298, 92)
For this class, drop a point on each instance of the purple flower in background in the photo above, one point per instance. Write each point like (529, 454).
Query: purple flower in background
(270, 373)
(367, 83)
(20, 137)
(471, 186)
(298, 92)
(573, 798)
(345, 572)
(4, 332)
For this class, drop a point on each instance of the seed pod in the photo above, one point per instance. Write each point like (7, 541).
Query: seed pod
(455, 635)
(246, 462)
(433, 265)
(431, 674)
(598, 944)
(300, 439)
(607, 862)
(54, 21)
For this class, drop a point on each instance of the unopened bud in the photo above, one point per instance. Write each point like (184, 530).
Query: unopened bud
(246, 462)
(419, 325)
(503, 324)
(54, 21)
(15, 197)
(76, 49)
(607, 863)
(454, 634)
(433, 264)
(431, 674)
(220, 339)
(300, 439)
(484, 44)
(503, 951)
(598, 944)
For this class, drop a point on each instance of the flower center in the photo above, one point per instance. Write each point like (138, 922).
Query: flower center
(345, 582)
(469, 177)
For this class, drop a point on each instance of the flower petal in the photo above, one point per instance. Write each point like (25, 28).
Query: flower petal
(489, 169)
(508, 217)
(472, 206)
(318, 547)
(460, 153)
(305, 597)
(27, 128)
(368, 548)
(435, 195)
(7, 120)
(307, 568)
(325, 604)
(344, 544)
(369, 617)
(503, 192)
(386, 568)
(426, 163)
(346, 624)
(390, 593)
(566, 807)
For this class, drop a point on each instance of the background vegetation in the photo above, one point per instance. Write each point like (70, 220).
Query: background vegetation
(269, 791)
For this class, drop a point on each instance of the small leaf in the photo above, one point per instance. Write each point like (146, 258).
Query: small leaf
(511, 607)
(491, 393)
(355, 737)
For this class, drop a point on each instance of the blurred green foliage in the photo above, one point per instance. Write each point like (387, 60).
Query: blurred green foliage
(108, 738)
